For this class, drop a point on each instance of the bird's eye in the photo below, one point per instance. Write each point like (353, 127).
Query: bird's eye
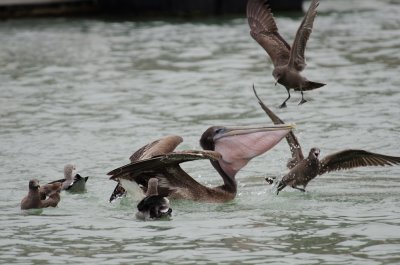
(219, 130)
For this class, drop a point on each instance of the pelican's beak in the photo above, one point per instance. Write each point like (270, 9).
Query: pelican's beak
(243, 130)
(276, 82)
(238, 145)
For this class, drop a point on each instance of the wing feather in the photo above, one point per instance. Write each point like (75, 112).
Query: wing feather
(161, 146)
(297, 59)
(166, 169)
(153, 164)
(263, 29)
(294, 145)
(352, 158)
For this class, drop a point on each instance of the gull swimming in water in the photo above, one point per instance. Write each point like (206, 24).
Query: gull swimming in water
(153, 206)
(36, 197)
(70, 182)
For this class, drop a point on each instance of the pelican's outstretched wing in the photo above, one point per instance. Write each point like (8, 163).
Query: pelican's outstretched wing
(172, 178)
(161, 146)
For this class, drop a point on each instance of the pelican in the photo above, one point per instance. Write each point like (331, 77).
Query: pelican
(304, 169)
(288, 62)
(161, 146)
(228, 148)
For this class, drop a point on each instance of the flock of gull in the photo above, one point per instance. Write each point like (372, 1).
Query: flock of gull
(155, 168)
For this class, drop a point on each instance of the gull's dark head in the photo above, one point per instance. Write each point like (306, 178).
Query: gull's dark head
(278, 74)
(153, 207)
(314, 153)
(270, 180)
(34, 184)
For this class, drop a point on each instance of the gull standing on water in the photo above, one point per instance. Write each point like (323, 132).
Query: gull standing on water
(288, 62)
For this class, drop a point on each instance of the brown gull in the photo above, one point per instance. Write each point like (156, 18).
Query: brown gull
(36, 197)
(288, 62)
(304, 169)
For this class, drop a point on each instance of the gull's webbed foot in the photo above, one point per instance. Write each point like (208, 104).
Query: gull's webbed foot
(283, 105)
(300, 189)
(302, 101)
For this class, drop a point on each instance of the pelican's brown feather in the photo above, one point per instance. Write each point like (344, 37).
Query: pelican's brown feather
(173, 180)
(158, 147)
(153, 164)
(161, 146)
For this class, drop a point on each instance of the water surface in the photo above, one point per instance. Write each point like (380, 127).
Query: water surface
(90, 92)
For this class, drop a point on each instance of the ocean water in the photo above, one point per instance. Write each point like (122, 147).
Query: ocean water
(92, 91)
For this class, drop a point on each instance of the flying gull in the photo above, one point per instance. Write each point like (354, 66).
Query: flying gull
(288, 61)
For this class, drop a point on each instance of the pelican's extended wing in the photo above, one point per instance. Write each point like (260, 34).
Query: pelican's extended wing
(166, 169)
(161, 146)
